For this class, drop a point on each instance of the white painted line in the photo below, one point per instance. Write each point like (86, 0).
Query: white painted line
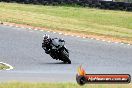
(65, 34)
(35, 29)
(22, 27)
(109, 41)
(116, 42)
(16, 26)
(53, 32)
(41, 30)
(11, 25)
(5, 24)
(78, 36)
(60, 33)
(122, 43)
(97, 39)
(29, 28)
(103, 40)
(10, 67)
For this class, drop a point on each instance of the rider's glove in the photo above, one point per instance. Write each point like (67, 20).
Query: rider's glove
(47, 51)
(42, 44)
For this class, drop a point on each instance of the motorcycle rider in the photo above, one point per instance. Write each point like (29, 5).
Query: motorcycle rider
(51, 43)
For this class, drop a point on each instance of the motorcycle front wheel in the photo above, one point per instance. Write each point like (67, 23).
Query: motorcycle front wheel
(65, 56)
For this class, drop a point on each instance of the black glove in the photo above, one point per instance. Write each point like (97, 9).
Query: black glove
(47, 51)
(43, 45)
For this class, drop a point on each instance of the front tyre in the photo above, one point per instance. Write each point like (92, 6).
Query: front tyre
(65, 56)
(68, 61)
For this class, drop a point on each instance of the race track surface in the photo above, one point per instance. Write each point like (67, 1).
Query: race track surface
(21, 48)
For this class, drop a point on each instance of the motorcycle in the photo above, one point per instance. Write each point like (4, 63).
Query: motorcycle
(60, 53)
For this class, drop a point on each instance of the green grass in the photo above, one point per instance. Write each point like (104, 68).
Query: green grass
(75, 19)
(2, 66)
(61, 85)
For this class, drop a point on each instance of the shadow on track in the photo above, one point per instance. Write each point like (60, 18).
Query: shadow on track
(54, 63)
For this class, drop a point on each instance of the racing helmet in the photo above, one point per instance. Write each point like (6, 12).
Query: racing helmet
(46, 39)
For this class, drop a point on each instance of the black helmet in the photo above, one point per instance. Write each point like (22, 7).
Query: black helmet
(46, 39)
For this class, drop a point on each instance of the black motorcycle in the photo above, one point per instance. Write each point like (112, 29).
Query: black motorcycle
(60, 53)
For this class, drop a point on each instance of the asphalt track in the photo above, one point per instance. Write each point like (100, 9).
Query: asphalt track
(21, 48)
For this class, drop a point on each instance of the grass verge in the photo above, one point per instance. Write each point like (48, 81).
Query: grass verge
(60, 85)
(106, 23)
(3, 66)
